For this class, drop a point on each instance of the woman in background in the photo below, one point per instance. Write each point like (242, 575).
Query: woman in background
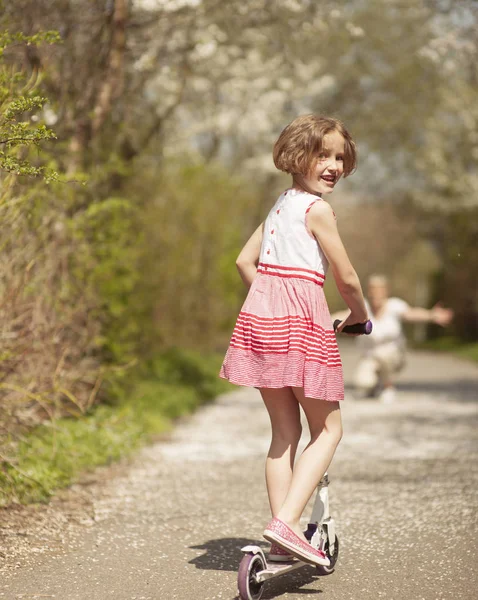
(383, 352)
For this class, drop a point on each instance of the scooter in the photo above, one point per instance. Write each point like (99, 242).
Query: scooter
(255, 569)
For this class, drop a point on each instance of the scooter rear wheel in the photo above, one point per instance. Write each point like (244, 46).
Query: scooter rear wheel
(321, 570)
(249, 588)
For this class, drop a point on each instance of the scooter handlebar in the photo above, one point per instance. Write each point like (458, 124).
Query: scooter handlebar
(360, 328)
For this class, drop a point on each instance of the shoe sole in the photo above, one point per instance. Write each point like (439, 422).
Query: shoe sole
(271, 536)
(280, 558)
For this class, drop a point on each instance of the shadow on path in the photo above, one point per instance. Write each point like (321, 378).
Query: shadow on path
(225, 554)
(461, 390)
(291, 583)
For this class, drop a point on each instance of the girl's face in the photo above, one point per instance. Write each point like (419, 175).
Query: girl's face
(329, 167)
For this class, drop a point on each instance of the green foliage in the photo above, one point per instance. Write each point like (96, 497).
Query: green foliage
(106, 265)
(56, 453)
(181, 367)
(53, 454)
(16, 108)
(84, 272)
(453, 345)
(194, 231)
(17, 101)
(100, 285)
(8, 39)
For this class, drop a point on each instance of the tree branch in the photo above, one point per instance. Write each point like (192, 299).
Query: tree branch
(20, 139)
(113, 83)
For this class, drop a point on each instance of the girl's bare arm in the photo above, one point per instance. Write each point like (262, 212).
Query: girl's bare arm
(321, 222)
(340, 315)
(248, 258)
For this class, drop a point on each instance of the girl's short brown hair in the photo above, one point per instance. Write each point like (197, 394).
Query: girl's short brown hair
(303, 140)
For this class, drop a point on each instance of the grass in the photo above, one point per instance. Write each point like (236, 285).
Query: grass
(454, 346)
(54, 454)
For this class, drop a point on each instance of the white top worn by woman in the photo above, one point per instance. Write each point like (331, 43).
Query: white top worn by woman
(387, 327)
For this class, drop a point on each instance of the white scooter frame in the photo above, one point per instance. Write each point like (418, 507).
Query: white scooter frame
(254, 569)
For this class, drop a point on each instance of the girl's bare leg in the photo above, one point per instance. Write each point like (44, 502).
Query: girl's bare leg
(325, 425)
(284, 412)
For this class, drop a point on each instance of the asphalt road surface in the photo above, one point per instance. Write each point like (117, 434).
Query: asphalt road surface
(170, 523)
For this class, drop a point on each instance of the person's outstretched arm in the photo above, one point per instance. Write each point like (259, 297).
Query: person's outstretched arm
(322, 223)
(248, 258)
(437, 314)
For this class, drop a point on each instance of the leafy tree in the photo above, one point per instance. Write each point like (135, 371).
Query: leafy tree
(166, 105)
(19, 100)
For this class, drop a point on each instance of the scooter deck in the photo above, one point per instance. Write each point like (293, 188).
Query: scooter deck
(276, 568)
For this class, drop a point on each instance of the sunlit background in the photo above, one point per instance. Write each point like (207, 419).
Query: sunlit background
(165, 113)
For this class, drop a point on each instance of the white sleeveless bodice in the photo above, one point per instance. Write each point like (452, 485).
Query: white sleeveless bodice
(288, 246)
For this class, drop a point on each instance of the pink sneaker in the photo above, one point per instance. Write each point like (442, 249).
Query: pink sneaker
(278, 554)
(280, 533)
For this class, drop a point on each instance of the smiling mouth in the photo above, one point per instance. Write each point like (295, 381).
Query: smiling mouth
(330, 179)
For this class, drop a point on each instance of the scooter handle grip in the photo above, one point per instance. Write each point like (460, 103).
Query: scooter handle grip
(361, 328)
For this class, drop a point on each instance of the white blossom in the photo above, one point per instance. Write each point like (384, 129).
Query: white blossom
(165, 5)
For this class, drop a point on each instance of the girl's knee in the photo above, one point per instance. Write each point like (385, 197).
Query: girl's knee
(335, 430)
(289, 435)
(339, 433)
(332, 431)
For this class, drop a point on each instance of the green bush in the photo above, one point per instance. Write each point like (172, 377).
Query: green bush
(109, 244)
(54, 454)
(453, 345)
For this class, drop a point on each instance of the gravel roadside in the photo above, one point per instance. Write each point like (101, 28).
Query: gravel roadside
(169, 524)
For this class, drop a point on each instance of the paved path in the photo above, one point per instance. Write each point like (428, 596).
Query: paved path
(170, 524)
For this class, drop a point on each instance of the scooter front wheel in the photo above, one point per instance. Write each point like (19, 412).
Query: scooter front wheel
(249, 588)
(321, 570)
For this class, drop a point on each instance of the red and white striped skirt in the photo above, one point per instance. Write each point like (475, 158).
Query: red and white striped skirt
(284, 337)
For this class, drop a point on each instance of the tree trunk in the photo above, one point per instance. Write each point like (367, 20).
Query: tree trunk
(113, 82)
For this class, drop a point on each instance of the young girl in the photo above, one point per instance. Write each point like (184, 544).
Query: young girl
(283, 342)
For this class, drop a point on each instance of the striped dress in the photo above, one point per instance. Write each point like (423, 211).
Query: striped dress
(284, 335)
